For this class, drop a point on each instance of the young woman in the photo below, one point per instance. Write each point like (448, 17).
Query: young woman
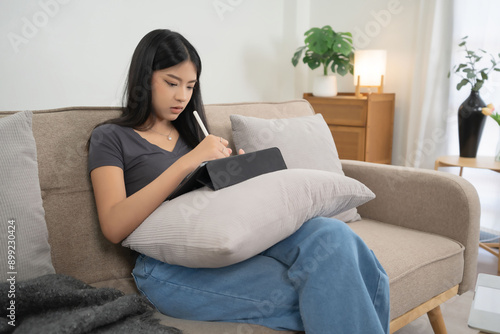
(322, 279)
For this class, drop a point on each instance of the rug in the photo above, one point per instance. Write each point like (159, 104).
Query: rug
(485, 236)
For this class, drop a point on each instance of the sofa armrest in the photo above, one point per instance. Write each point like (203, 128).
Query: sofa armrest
(424, 200)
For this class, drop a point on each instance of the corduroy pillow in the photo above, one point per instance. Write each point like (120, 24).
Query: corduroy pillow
(210, 229)
(305, 142)
(24, 247)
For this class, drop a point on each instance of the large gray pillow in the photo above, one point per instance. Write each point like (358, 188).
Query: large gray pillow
(24, 247)
(305, 142)
(210, 229)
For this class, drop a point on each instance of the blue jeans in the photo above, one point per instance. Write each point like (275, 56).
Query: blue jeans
(322, 279)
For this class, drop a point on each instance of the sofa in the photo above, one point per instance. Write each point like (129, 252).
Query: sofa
(423, 225)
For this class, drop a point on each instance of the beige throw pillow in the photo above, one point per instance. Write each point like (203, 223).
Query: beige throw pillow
(206, 228)
(24, 246)
(305, 142)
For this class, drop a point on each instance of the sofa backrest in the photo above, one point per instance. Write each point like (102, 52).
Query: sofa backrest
(77, 245)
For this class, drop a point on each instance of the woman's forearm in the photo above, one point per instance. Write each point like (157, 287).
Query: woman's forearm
(124, 216)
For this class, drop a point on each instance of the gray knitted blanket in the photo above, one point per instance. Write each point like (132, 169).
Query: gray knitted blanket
(62, 304)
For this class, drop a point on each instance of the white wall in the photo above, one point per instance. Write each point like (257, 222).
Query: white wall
(58, 53)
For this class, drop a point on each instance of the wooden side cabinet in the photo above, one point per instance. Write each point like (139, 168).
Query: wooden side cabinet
(362, 128)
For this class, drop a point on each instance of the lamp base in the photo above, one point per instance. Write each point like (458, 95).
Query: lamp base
(380, 89)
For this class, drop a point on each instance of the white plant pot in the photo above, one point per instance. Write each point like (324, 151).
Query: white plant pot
(325, 86)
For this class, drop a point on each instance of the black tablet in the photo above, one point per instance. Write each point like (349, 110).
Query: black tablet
(225, 172)
(190, 182)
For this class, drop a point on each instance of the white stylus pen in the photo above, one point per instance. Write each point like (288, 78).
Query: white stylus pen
(202, 126)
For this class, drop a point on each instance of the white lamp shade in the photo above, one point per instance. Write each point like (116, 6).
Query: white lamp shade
(369, 65)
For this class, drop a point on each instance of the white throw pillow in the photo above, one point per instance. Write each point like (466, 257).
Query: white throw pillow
(210, 229)
(24, 246)
(305, 142)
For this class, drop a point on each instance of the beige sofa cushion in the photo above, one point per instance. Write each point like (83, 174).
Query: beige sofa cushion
(414, 261)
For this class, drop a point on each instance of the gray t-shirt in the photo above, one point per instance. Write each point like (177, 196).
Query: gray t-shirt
(141, 161)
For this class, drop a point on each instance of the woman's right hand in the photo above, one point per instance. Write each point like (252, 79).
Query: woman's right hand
(210, 148)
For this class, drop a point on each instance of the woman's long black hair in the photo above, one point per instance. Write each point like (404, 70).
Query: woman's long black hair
(160, 49)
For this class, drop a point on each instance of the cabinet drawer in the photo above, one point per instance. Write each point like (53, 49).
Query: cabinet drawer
(342, 113)
(350, 142)
(340, 110)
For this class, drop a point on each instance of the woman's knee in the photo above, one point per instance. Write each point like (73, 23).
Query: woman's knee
(323, 225)
(332, 236)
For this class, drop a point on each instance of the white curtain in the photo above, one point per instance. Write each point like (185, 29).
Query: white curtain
(426, 138)
(479, 21)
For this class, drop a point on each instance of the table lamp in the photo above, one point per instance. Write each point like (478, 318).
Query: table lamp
(369, 70)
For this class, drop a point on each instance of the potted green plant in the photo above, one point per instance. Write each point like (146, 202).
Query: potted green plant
(470, 117)
(330, 49)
